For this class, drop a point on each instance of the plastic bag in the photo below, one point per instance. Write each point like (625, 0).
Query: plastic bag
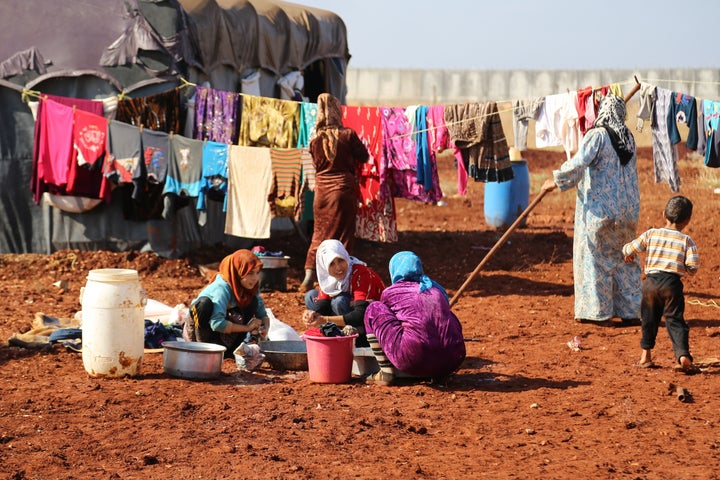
(279, 330)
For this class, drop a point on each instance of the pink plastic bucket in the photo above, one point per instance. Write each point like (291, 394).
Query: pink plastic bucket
(330, 358)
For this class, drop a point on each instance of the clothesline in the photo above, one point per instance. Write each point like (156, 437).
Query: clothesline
(184, 83)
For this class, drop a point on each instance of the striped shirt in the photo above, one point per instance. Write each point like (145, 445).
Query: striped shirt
(667, 251)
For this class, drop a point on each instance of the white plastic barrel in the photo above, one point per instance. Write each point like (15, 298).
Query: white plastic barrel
(113, 324)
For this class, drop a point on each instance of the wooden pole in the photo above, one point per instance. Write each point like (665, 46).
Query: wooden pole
(634, 90)
(497, 246)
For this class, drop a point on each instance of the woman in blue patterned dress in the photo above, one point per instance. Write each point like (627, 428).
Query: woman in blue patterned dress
(607, 210)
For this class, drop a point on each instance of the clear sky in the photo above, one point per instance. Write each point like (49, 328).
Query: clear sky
(528, 34)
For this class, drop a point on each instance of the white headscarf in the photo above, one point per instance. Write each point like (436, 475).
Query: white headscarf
(327, 251)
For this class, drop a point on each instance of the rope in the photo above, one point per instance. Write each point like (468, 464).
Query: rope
(697, 82)
(710, 303)
(73, 260)
(26, 94)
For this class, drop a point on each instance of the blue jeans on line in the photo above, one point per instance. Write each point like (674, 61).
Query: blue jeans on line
(339, 304)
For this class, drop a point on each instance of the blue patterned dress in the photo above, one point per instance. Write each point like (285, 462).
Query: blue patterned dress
(606, 217)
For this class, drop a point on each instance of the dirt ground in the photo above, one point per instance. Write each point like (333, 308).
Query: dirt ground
(523, 405)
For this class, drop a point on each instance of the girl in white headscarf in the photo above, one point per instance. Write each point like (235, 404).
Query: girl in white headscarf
(346, 287)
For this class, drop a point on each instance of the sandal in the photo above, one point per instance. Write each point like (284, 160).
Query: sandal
(650, 364)
(380, 378)
(691, 369)
(599, 323)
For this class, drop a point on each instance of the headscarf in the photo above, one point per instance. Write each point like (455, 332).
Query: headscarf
(327, 251)
(234, 268)
(329, 123)
(611, 116)
(406, 266)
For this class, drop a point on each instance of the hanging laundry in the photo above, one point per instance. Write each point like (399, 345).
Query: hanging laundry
(62, 132)
(214, 181)
(583, 104)
(399, 152)
(570, 132)
(145, 201)
(184, 174)
(376, 218)
(406, 153)
(702, 130)
(683, 108)
(557, 123)
(286, 170)
(307, 187)
(249, 184)
(86, 176)
(427, 176)
(216, 115)
(477, 130)
(523, 112)
(53, 148)
(159, 112)
(269, 122)
(89, 137)
(155, 156)
(291, 86)
(439, 140)
(308, 119)
(646, 109)
(711, 118)
(123, 152)
(665, 156)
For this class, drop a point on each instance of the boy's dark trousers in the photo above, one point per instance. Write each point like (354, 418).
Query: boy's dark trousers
(662, 296)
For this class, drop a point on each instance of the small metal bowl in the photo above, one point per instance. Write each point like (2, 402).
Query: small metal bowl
(285, 354)
(197, 360)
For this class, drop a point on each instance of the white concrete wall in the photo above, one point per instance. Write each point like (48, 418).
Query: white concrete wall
(432, 87)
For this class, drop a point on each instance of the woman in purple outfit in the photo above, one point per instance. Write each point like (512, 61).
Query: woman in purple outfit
(412, 329)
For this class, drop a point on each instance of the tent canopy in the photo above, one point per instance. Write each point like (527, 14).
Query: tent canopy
(129, 42)
(94, 49)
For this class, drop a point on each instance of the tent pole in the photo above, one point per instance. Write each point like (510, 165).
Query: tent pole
(497, 245)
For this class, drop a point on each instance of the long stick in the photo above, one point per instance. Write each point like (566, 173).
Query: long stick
(633, 91)
(497, 245)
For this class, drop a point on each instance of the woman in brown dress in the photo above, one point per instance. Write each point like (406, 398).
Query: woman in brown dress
(336, 151)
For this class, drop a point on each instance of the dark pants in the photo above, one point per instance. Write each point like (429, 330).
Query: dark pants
(338, 305)
(200, 313)
(662, 296)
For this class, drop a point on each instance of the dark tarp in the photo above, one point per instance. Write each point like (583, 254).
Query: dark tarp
(94, 49)
(235, 38)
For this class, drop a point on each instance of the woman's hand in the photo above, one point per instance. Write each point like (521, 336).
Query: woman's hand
(549, 185)
(312, 318)
(254, 324)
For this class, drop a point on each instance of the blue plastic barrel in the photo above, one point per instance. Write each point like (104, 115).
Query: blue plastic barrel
(505, 201)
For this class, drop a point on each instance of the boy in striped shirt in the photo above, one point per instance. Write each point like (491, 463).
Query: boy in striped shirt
(670, 254)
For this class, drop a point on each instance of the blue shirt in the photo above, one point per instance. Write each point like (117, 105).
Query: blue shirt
(221, 294)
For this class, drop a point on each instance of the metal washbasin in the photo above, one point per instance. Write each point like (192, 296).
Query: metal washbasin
(285, 354)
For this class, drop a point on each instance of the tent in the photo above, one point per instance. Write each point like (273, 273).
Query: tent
(97, 49)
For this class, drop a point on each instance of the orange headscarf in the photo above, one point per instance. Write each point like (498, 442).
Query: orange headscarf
(328, 123)
(234, 268)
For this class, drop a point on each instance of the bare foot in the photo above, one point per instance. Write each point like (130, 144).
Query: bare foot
(686, 366)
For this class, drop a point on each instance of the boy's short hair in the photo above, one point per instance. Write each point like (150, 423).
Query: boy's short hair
(678, 209)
